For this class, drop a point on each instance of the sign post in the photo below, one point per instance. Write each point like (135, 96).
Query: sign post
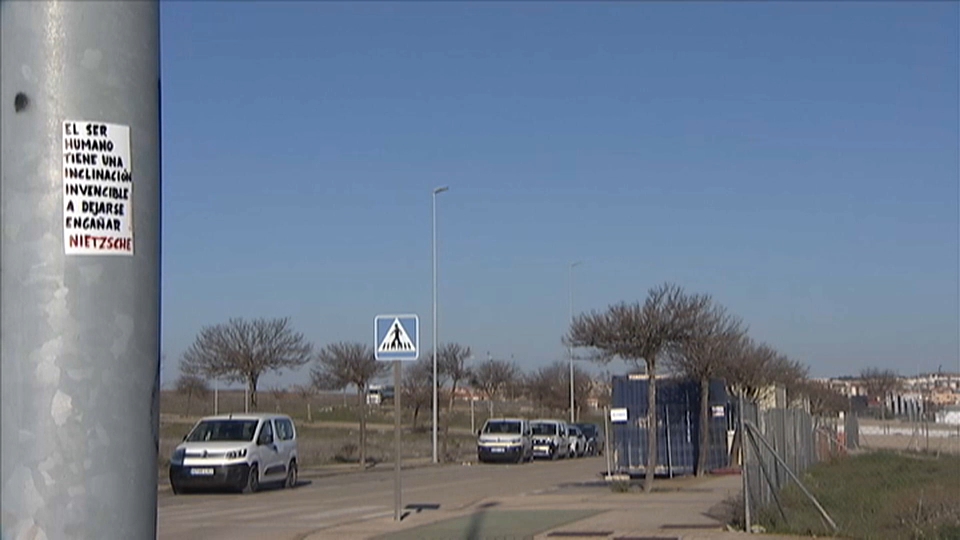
(396, 339)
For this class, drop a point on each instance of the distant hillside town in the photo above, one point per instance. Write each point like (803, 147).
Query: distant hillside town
(930, 396)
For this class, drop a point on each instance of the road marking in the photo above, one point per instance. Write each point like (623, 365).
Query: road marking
(338, 512)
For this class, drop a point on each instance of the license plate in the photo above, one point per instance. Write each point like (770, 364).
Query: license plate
(496, 449)
(202, 472)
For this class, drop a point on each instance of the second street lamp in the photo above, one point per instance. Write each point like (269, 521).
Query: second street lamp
(436, 192)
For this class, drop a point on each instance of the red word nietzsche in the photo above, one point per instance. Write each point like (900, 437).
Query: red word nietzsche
(105, 243)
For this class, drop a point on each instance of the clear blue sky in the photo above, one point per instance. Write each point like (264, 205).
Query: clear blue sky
(796, 160)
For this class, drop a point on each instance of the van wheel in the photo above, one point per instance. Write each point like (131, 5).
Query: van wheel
(253, 480)
(291, 475)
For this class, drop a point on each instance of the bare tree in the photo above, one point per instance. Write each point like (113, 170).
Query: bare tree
(242, 351)
(191, 385)
(750, 369)
(306, 393)
(789, 374)
(549, 386)
(880, 383)
(823, 399)
(452, 364)
(342, 364)
(602, 388)
(516, 388)
(712, 345)
(278, 393)
(417, 386)
(492, 376)
(640, 333)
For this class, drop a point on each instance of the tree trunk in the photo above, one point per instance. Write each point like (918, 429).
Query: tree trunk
(416, 414)
(704, 425)
(252, 386)
(446, 419)
(651, 426)
(363, 427)
(189, 398)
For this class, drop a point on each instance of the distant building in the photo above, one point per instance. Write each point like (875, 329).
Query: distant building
(949, 415)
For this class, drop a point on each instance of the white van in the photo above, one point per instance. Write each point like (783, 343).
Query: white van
(240, 451)
(550, 439)
(504, 439)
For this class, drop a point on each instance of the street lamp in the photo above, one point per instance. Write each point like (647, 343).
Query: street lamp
(570, 347)
(436, 192)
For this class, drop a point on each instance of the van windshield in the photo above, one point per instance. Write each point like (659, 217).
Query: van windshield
(544, 429)
(502, 427)
(223, 430)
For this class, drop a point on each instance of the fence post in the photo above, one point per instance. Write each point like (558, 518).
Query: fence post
(823, 513)
(744, 465)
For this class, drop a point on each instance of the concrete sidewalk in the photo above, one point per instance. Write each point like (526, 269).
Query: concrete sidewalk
(685, 508)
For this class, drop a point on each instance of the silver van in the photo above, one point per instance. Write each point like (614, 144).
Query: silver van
(240, 451)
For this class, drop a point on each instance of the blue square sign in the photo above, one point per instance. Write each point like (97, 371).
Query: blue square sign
(396, 337)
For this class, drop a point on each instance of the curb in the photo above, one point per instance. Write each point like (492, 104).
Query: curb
(327, 471)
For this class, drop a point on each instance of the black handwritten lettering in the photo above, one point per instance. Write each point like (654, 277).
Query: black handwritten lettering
(113, 161)
(87, 173)
(96, 208)
(92, 223)
(96, 130)
(77, 158)
(88, 145)
(98, 190)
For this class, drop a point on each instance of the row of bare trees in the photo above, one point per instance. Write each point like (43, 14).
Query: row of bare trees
(682, 332)
(243, 351)
(693, 335)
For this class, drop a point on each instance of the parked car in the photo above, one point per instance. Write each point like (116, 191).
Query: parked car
(504, 439)
(595, 441)
(550, 439)
(578, 442)
(240, 451)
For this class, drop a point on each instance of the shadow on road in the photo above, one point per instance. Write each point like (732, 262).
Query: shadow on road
(476, 521)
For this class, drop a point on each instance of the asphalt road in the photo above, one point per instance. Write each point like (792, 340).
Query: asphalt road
(326, 502)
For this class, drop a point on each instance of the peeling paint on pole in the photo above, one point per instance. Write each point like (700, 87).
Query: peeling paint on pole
(79, 319)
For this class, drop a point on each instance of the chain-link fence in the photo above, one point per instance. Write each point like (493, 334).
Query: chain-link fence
(778, 445)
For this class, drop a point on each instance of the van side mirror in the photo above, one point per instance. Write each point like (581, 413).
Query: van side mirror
(265, 439)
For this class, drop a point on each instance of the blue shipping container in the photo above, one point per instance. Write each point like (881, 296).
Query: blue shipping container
(678, 424)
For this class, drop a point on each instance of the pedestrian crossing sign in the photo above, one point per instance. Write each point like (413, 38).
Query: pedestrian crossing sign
(396, 337)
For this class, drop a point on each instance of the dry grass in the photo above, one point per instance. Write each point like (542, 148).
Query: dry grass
(878, 495)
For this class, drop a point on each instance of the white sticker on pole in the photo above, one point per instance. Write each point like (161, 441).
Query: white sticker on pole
(618, 415)
(97, 189)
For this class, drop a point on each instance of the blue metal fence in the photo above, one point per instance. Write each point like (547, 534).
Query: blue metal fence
(678, 424)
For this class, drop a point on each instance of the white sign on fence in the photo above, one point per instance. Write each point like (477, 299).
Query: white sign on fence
(618, 415)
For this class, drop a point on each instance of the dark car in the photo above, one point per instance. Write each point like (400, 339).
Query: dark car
(595, 441)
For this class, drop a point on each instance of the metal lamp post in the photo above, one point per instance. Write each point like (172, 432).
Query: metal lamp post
(570, 348)
(436, 192)
(80, 323)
